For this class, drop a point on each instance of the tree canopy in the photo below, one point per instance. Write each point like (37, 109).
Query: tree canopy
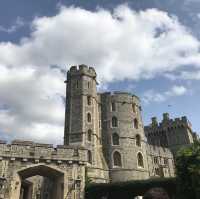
(188, 172)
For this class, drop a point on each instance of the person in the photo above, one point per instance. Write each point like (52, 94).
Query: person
(156, 193)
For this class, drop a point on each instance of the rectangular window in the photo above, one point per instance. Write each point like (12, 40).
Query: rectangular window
(156, 160)
(88, 84)
(89, 100)
(113, 106)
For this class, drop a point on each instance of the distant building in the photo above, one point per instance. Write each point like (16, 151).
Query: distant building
(171, 133)
(104, 141)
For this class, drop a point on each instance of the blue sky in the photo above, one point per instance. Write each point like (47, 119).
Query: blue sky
(149, 48)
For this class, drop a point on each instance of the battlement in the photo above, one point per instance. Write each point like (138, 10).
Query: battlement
(168, 122)
(27, 150)
(124, 97)
(82, 70)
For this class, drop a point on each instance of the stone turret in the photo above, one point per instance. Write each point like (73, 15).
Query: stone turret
(165, 117)
(81, 105)
(82, 126)
(154, 122)
(123, 136)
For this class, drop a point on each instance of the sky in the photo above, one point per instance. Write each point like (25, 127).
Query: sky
(150, 48)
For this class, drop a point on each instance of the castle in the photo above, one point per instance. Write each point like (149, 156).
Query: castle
(104, 141)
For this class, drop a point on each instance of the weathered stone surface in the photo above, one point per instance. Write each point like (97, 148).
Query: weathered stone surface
(104, 140)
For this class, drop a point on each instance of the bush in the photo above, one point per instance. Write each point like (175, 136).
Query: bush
(130, 189)
(188, 172)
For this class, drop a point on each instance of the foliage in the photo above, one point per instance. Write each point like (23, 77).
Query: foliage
(188, 172)
(128, 189)
(156, 193)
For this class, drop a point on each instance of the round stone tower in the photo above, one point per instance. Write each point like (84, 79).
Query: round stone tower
(82, 119)
(123, 138)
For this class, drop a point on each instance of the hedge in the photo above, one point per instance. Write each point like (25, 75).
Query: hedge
(129, 189)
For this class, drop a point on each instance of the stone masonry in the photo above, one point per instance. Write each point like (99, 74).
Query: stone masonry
(104, 141)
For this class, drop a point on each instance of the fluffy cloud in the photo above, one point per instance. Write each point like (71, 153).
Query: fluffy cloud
(153, 96)
(184, 75)
(123, 44)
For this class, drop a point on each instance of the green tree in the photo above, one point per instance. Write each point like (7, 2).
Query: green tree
(188, 172)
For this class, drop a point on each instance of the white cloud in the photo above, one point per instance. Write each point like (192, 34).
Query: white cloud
(123, 44)
(184, 75)
(153, 96)
(18, 24)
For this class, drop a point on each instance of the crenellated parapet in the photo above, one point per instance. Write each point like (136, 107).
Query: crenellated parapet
(168, 123)
(81, 70)
(31, 151)
(122, 97)
(172, 133)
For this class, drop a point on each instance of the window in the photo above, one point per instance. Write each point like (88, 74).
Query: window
(113, 106)
(77, 84)
(134, 107)
(89, 157)
(135, 123)
(114, 122)
(88, 84)
(165, 161)
(138, 140)
(89, 100)
(89, 135)
(89, 118)
(157, 172)
(115, 139)
(140, 160)
(155, 159)
(117, 159)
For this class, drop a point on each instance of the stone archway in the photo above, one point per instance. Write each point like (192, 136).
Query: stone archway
(51, 172)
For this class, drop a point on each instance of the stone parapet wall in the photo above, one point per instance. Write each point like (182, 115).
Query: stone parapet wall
(30, 150)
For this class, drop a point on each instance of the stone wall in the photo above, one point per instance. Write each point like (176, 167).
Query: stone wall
(125, 108)
(21, 160)
(172, 133)
(160, 161)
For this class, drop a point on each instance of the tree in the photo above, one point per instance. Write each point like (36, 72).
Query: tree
(188, 172)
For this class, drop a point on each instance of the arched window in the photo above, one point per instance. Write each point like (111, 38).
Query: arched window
(113, 106)
(89, 100)
(89, 135)
(117, 159)
(140, 160)
(89, 156)
(89, 118)
(138, 140)
(115, 139)
(114, 122)
(135, 123)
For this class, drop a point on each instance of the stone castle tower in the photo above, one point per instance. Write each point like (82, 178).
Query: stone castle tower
(123, 136)
(104, 141)
(82, 119)
(108, 125)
